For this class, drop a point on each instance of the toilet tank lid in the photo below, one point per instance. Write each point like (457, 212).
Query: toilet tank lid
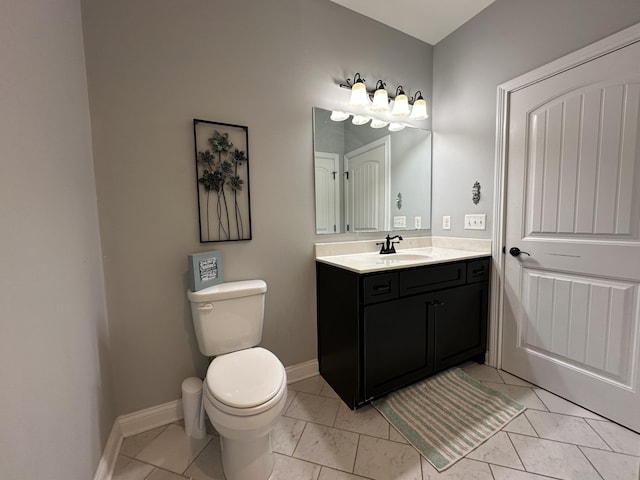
(223, 291)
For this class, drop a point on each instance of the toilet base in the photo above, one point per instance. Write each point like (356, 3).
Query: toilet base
(247, 459)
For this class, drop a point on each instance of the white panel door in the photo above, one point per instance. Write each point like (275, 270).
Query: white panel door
(327, 192)
(571, 319)
(368, 187)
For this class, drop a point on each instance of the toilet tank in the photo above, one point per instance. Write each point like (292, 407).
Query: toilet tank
(228, 317)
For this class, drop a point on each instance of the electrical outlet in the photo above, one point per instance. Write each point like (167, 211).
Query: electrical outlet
(400, 222)
(475, 222)
(418, 222)
(446, 222)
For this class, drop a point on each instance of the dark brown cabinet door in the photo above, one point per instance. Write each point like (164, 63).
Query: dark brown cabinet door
(397, 343)
(460, 324)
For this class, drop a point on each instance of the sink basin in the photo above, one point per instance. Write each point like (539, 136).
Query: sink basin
(404, 257)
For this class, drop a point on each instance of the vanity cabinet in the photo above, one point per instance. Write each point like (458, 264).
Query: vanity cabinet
(381, 331)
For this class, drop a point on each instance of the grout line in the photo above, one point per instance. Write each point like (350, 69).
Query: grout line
(592, 465)
(524, 468)
(199, 453)
(600, 436)
(531, 424)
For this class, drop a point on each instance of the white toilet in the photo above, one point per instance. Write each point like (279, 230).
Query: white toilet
(245, 389)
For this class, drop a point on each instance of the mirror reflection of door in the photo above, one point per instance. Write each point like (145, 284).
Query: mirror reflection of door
(327, 192)
(368, 186)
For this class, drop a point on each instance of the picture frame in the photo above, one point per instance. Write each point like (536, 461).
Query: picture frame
(222, 181)
(205, 270)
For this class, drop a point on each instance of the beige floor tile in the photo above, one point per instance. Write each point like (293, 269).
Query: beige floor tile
(312, 408)
(618, 438)
(366, 420)
(310, 385)
(130, 469)
(520, 424)
(613, 466)
(173, 449)
(291, 394)
(132, 446)
(286, 434)
(523, 395)
(564, 428)
(502, 473)
(464, 469)
(330, 474)
(483, 373)
(557, 404)
(386, 460)
(559, 460)
(513, 380)
(327, 391)
(160, 474)
(207, 465)
(327, 446)
(499, 451)
(287, 468)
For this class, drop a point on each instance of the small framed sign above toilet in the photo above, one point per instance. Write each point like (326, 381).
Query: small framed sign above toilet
(205, 270)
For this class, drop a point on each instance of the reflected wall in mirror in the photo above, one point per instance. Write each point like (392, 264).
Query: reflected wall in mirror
(370, 179)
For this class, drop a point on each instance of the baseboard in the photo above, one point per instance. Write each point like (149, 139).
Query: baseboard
(160, 415)
(302, 371)
(144, 420)
(110, 454)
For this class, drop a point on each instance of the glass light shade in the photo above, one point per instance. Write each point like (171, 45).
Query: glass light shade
(419, 111)
(359, 95)
(377, 123)
(360, 119)
(338, 116)
(380, 101)
(395, 127)
(400, 106)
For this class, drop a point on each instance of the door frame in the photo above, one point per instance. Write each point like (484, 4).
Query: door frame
(591, 52)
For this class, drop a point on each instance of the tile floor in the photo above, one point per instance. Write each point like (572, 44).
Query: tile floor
(319, 438)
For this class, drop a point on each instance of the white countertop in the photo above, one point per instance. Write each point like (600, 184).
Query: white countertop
(360, 258)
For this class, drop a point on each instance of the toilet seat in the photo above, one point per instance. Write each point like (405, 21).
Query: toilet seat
(246, 382)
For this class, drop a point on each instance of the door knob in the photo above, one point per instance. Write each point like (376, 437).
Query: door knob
(515, 251)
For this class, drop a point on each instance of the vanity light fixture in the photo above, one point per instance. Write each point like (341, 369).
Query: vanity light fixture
(400, 104)
(359, 94)
(339, 116)
(380, 98)
(395, 127)
(419, 110)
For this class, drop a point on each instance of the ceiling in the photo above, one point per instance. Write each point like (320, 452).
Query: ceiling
(426, 20)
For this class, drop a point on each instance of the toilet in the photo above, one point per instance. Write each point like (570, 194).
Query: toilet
(245, 389)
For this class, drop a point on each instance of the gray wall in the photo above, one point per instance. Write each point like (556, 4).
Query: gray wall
(56, 405)
(507, 39)
(152, 67)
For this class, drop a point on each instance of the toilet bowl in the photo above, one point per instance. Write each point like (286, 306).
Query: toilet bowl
(244, 395)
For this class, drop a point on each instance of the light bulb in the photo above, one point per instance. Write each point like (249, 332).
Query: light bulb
(377, 123)
(380, 99)
(400, 106)
(338, 116)
(359, 95)
(419, 111)
(360, 119)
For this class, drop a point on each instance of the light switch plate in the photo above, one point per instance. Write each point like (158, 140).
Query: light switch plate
(475, 221)
(417, 222)
(400, 222)
(446, 222)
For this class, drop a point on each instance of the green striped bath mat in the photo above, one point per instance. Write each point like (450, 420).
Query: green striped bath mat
(448, 415)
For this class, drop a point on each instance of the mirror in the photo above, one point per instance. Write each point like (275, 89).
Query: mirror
(370, 179)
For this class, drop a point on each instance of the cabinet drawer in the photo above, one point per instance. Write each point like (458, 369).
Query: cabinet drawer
(433, 277)
(478, 271)
(379, 288)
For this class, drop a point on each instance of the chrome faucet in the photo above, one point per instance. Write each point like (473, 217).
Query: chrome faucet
(389, 246)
